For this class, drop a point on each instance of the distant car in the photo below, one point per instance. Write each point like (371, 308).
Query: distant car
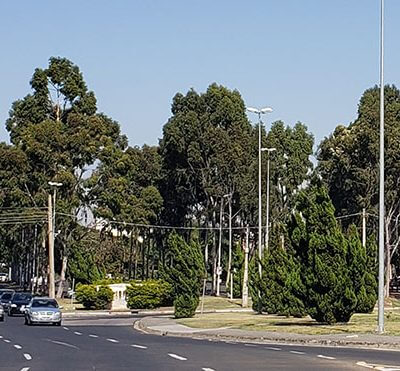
(42, 310)
(3, 277)
(18, 303)
(5, 299)
(1, 313)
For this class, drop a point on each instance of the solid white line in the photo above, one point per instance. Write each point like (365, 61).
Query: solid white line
(296, 352)
(25, 369)
(272, 348)
(180, 358)
(93, 336)
(7, 341)
(78, 333)
(113, 341)
(325, 357)
(62, 343)
(27, 356)
(17, 346)
(138, 346)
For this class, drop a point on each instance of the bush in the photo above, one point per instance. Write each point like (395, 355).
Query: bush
(92, 298)
(186, 275)
(149, 294)
(185, 305)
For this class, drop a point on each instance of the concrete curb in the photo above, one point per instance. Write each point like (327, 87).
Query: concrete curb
(279, 338)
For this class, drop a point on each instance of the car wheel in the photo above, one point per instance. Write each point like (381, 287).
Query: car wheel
(58, 323)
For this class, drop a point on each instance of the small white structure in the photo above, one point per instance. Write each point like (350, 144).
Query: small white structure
(119, 301)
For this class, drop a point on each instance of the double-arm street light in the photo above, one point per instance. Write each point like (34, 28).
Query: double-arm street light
(259, 112)
(268, 150)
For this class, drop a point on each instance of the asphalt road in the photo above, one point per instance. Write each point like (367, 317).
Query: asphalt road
(114, 345)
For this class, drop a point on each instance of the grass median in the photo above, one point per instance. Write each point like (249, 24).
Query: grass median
(359, 323)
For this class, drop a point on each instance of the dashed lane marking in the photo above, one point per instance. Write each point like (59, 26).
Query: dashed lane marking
(7, 341)
(63, 344)
(25, 369)
(207, 369)
(1, 337)
(93, 336)
(179, 358)
(78, 333)
(16, 346)
(27, 356)
(66, 328)
(273, 348)
(250, 345)
(139, 346)
(113, 340)
(325, 357)
(296, 352)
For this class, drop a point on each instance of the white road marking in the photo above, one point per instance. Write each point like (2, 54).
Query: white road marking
(138, 346)
(66, 328)
(25, 369)
(296, 352)
(7, 341)
(207, 369)
(1, 337)
(17, 346)
(27, 356)
(179, 358)
(78, 333)
(250, 345)
(62, 343)
(93, 336)
(378, 367)
(325, 357)
(113, 341)
(352, 336)
(273, 348)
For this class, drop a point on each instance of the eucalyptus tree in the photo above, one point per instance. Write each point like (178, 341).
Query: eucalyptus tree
(348, 161)
(62, 135)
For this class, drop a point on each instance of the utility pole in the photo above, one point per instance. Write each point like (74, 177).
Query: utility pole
(245, 291)
(219, 268)
(381, 270)
(364, 228)
(52, 289)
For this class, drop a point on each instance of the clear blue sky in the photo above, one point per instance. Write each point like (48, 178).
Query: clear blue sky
(310, 60)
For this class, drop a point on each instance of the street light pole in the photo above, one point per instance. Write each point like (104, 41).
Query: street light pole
(259, 112)
(51, 222)
(268, 150)
(381, 275)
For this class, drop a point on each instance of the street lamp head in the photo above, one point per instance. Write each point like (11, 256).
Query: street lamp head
(268, 150)
(54, 184)
(253, 110)
(266, 110)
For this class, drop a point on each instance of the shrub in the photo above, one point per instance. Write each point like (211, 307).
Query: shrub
(186, 274)
(148, 294)
(93, 298)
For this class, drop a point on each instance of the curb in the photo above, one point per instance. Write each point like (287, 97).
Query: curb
(140, 326)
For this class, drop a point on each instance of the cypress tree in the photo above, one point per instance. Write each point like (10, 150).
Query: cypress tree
(185, 275)
(321, 249)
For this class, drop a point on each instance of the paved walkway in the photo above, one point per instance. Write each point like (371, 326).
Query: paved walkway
(166, 325)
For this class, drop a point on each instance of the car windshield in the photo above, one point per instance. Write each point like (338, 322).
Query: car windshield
(22, 297)
(44, 303)
(6, 296)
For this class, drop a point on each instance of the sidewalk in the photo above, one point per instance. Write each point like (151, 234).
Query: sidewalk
(167, 326)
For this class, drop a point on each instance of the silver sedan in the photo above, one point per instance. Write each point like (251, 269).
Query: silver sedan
(43, 310)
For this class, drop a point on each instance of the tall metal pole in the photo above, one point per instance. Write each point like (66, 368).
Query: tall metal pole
(219, 268)
(245, 290)
(52, 290)
(267, 223)
(259, 195)
(381, 187)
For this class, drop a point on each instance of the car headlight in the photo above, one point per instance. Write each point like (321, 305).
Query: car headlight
(34, 314)
(57, 314)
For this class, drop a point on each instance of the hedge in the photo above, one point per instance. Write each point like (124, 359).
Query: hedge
(148, 294)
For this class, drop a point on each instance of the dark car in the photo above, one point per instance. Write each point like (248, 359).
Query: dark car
(18, 303)
(5, 299)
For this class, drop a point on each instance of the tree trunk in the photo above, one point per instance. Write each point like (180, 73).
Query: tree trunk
(62, 277)
(214, 256)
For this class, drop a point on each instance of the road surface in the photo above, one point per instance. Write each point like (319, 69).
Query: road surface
(114, 345)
